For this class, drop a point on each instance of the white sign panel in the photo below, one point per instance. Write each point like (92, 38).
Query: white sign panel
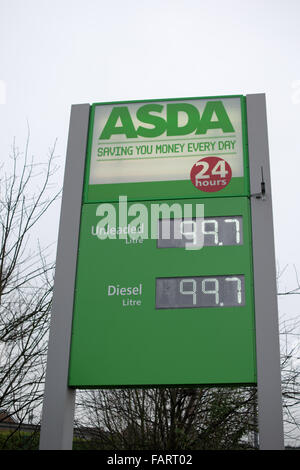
(162, 140)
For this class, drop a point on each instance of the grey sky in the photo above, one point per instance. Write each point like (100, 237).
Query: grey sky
(57, 52)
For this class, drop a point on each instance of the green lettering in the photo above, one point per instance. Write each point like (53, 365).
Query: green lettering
(222, 122)
(173, 109)
(127, 128)
(158, 123)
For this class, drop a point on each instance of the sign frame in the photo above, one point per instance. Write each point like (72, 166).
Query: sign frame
(59, 399)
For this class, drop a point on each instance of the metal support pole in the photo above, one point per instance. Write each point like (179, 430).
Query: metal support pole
(59, 399)
(270, 421)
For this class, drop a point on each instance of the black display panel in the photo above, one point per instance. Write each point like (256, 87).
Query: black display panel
(199, 292)
(198, 232)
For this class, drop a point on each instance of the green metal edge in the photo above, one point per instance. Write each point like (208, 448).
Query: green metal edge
(251, 269)
(247, 180)
(167, 99)
(88, 154)
(245, 144)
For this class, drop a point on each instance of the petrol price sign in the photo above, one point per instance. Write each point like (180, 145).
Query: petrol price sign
(164, 289)
(165, 272)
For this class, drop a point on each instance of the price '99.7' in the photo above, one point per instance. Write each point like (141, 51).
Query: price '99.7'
(196, 292)
(195, 233)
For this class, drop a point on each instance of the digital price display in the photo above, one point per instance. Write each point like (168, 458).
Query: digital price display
(199, 292)
(147, 315)
(198, 232)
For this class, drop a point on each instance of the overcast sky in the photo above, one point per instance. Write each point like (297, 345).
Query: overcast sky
(55, 53)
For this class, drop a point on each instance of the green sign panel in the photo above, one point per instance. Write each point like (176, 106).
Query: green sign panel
(164, 287)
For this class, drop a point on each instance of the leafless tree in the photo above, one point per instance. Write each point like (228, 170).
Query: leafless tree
(290, 361)
(290, 373)
(26, 280)
(168, 418)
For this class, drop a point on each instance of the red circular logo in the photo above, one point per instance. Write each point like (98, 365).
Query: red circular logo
(211, 174)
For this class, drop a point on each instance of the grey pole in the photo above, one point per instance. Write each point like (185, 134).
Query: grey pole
(270, 421)
(59, 399)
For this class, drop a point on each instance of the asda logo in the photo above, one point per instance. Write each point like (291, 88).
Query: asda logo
(181, 119)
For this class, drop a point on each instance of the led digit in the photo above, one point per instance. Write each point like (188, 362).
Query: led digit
(211, 232)
(237, 229)
(239, 287)
(192, 233)
(211, 291)
(192, 292)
